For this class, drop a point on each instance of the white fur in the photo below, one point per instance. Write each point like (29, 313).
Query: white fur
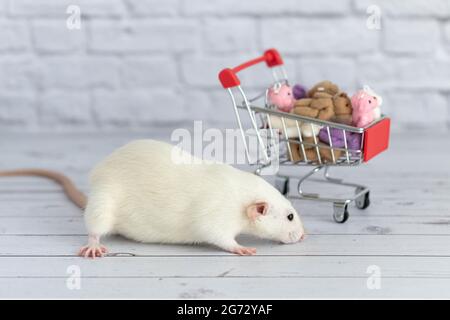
(310, 130)
(141, 193)
(291, 127)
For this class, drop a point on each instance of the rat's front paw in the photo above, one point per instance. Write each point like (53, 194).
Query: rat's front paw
(92, 251)
(243, 251)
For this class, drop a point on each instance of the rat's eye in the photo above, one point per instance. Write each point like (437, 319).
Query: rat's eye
(290, 217)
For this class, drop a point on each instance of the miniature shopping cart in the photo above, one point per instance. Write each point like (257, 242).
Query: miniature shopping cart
(374, 138)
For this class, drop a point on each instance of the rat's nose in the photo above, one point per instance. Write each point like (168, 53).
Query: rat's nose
(303, 235)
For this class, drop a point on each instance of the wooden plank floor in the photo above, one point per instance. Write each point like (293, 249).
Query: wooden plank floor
(404, 234)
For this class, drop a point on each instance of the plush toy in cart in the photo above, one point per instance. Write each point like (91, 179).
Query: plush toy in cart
(324, 101)
(280, 97)
(365, 108)
(312, 153)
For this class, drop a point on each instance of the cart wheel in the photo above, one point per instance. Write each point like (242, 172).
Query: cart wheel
(282, 185)
(340, 214)
(363, 201)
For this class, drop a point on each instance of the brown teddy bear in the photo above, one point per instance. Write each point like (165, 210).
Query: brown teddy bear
(324, 102)
(324, 86)
(311, 152)
(342, 108)
(319, 106)
(320, 101)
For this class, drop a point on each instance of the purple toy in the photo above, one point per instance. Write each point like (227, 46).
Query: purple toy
(337, 138)
(299, 91)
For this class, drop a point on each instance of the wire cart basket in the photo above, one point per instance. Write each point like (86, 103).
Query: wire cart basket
(302, 151)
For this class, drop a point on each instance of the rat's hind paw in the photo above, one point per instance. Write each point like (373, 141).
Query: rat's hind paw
(243, 251)
(92, 251)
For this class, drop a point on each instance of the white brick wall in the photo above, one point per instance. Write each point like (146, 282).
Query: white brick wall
(65, 108)
(49, 37)
(139, 64)
(401, 38)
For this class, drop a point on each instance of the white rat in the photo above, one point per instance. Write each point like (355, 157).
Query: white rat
(143, 192)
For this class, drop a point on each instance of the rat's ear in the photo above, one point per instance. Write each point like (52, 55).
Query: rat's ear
(257, 209)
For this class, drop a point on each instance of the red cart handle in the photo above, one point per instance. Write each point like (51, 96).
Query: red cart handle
(228, 77)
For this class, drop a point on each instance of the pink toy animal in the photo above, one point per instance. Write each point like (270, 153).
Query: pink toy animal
(282, 97)
(363, 105)
(376, 111)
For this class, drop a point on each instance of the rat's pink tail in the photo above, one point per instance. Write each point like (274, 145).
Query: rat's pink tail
(72, 192)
